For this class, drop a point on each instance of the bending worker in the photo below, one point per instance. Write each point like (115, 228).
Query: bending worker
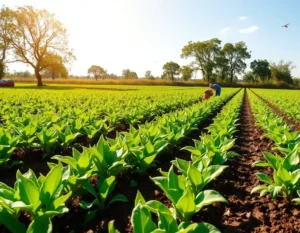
(217, 88)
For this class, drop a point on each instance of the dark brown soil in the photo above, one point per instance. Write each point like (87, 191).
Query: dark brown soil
(247, 212)
(295, 126)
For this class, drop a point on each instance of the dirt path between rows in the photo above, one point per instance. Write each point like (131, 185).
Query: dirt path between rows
(295, 126)
(247, 212)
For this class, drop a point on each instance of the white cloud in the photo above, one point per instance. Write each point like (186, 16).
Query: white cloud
(243, 17)
(224, 31)
(249, 30)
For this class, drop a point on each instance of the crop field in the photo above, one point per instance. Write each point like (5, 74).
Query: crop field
(147, 159)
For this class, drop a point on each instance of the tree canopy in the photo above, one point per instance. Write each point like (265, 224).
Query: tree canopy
(261, 69)
(36, 35)
(6, 16)
(236, 54)
(186, 72)
(128, 74)
(97, 72)
(170, 70)
(204, 54)
(282, 71)
(149, 75)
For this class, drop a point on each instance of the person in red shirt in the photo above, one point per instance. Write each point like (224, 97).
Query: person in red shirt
(207, 95)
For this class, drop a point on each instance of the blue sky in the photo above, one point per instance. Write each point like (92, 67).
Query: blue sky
(144, 34)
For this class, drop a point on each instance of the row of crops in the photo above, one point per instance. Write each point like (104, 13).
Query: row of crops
(45, 197)
(53, 121)
(287, 100)
(88, 173)
(284, 179)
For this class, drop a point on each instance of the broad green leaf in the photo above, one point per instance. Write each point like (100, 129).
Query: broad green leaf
(186, 204)
(295, 176)
(139, 199)
(264, 178)
(195, 176)
(84, 160)
(118, 197)
(51, 184)
(111, 228)
(61, 200)
(208, 197)
(40, 224)
(11, 222)
(283, 174)
(167, 222)
(259, 188)
(271, 159)
(156, 206)
(106, 187)
(28, 191)
(141, 220)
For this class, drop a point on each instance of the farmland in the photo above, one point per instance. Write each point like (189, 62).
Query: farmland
(149, 159)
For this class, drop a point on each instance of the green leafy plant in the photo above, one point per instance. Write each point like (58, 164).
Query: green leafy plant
(211, 150)
(41, 197)
(48, 140)
(109, 160)
(66, 138)
(198, 175)
(100, 195)
(180, 193)
(7, 146)
(286, 175)
(141, 219)
(81, 164)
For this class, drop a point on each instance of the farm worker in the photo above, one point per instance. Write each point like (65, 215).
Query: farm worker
(207, 95)
(216, 87)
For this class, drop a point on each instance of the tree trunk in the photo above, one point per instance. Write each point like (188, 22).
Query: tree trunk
(231, 77)
(1, 70)
(38, 77)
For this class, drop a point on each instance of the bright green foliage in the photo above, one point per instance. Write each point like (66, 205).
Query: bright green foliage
(213, 148)
(111, 228)
(285, 180)
(7, 146)
(80, 164)
(50, 119)
(286, 175)
(48, 140)
(185, 200)
(109, 160)
(287, 101)
(196, 174)
(100, 195)
(142, 222)
(137, 149)
(274, 127)
(41, 197)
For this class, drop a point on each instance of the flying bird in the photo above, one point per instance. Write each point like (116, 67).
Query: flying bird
(286, 25)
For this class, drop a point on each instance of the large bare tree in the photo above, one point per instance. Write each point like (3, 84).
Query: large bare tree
(36, 34)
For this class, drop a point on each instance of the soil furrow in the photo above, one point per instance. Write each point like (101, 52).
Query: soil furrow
(246, 212)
